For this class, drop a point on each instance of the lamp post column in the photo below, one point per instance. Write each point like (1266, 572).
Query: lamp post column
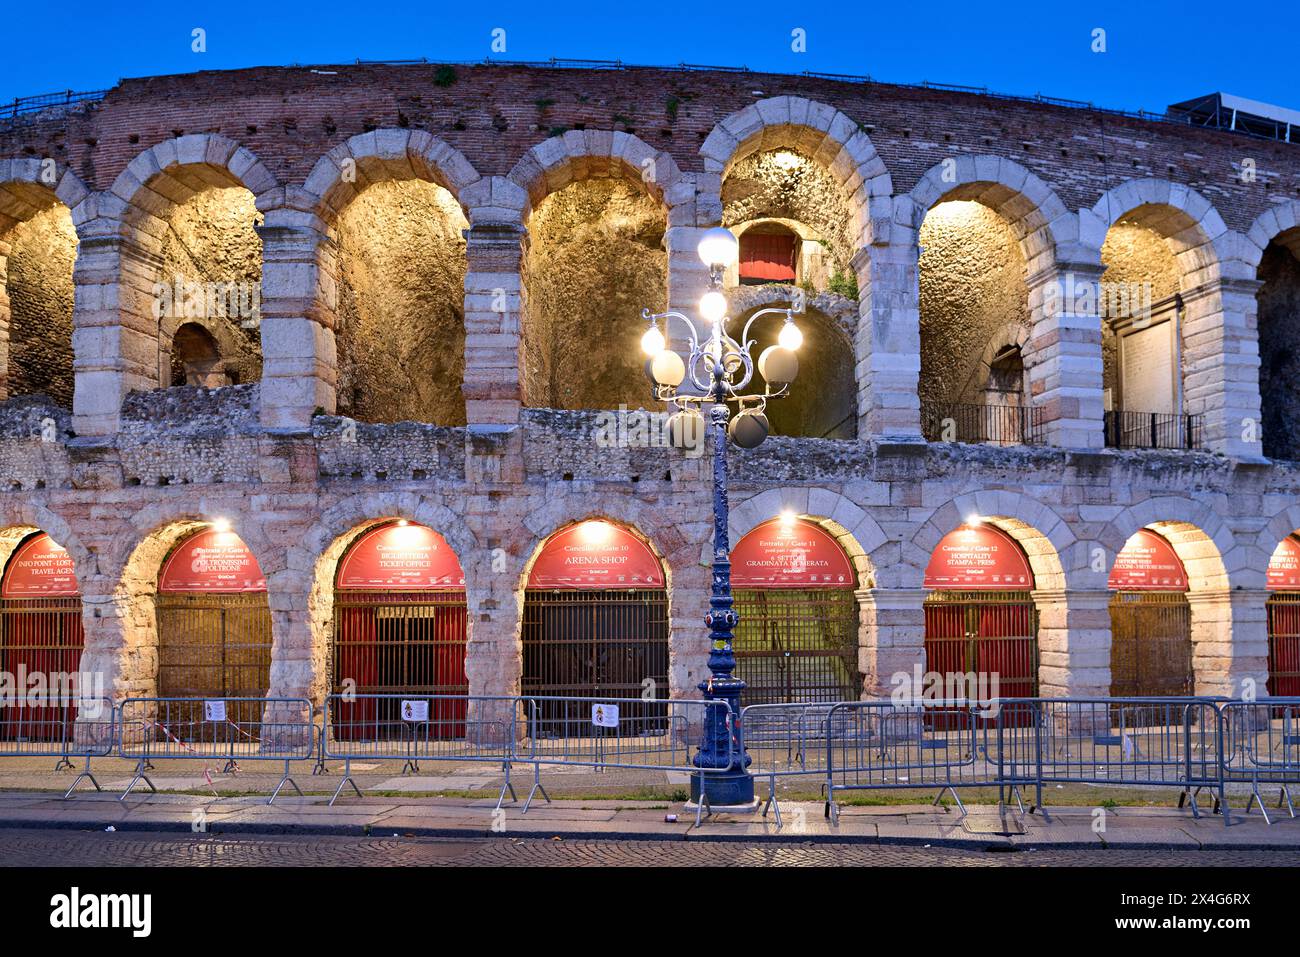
(727, 782)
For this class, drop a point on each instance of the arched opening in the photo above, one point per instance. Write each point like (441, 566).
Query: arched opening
(980, 616)
(797, 639)
(400, 627)
(1284, 618)
(38, 249)
(196, 358)
(1150, 620)
(1279, 346)
(213, 620)
(400, 330)
(40, 635)
(823, 402)
(595, 258)
(793, 223)
(595, 623)
(974, 319)
(208, 286)
(1149, 255)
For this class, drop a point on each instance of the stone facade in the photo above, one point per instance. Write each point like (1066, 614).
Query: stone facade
(136, 465)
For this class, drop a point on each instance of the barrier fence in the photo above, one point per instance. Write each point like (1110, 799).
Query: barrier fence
(207, 729)
(62, 727)
(1014, 745)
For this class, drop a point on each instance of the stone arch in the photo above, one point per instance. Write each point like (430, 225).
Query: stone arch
(1271, 251)
(307, 581)
(390, 210)
(817, 130)
(1228, 630)
(857, 532)
(20, 515)
(126, 242)
(1035, 213)
(1194, 228)
(579, 155)
(36, 204)
(387, 154)
(125, 646)
(596, 253)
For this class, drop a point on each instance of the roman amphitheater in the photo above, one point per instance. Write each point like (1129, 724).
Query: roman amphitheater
(308, 376)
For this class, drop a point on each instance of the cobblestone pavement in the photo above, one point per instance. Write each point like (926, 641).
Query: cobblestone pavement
(30, 848)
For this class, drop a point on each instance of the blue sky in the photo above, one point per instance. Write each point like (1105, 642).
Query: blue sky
(1156, 52)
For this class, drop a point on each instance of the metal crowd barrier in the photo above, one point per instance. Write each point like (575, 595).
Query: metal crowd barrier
(785, 740)
(414, 728)
(62, 727)
(234, 729)
(1261, 746)
(630, 733)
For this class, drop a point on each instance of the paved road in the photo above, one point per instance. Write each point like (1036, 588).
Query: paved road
(132, 849)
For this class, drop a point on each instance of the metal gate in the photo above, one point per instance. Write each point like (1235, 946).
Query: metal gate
(39, 636)
(596, 643)
(993, 634)
(797, 645)
(213, 645)
(1284, 643)
(1150, 644)
(399, 643)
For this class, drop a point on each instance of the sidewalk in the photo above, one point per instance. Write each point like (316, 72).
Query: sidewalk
(983, 826)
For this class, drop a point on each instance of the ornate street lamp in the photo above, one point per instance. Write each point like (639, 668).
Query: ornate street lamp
(715, 372)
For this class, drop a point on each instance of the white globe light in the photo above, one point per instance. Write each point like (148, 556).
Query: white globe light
(713, 305)
(718, 247)
(652, 343)
(668, 369)
(791, 337)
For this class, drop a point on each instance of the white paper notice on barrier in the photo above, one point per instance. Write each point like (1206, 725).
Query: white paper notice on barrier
(214, 711)
(604, 715)
(415, 710)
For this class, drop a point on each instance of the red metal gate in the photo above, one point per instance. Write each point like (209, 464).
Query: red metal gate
(993, 635)
(1284, 643)
(39, 636)
(399, 642)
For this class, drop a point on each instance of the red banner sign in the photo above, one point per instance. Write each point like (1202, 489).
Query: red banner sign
(1147, 563)
(1284, 566)
(40, 568)
(211, 561)
(784, 554)
(596, 555)
(979, 556)
(391, 557)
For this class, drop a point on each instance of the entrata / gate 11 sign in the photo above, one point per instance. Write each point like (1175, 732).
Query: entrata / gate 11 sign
(212, 561)
(790, 554)
(1147, 562)
(392, 557)
(593, 555)
(1284, 566)
(978, 556)
(41, 568)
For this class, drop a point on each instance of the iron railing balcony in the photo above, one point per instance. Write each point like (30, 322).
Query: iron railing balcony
(981, 424)
(1154, 430)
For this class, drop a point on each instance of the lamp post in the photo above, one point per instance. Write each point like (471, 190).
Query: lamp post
(716, 372)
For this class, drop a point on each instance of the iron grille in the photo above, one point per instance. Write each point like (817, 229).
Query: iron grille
(991, 424)
(797, 645)
(1153, 430)
(1284, 644)
(39, 636)
(991, 634)
(593, 644)
(1150, 644)
(213, 645)
(399, 643)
